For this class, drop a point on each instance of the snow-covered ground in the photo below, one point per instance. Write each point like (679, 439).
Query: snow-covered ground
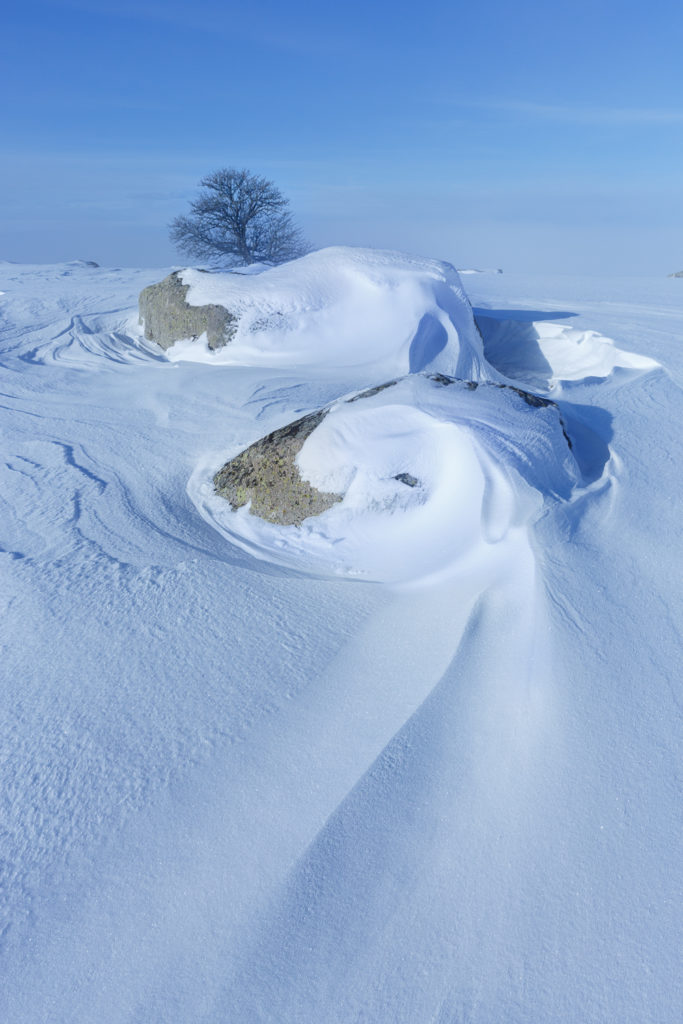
(418, 762)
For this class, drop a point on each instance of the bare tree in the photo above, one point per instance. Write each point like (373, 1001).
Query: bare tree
(237, 219)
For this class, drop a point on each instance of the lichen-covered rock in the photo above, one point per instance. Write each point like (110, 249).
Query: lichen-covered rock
(168, 317)
(267, 475)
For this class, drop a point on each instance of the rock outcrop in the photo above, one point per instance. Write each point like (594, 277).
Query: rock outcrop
(168, 317)
(267, 475)
(679, 273)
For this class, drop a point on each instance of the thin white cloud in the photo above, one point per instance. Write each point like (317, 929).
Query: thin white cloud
(580, 114)
(144, 10)
(209, 17)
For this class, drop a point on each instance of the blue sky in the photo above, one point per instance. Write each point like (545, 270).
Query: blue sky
(527, 136)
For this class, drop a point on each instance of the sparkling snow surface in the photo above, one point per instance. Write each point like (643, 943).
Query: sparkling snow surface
(416, 761)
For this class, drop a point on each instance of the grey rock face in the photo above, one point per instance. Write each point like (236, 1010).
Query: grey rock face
(266, 474)
(679, 273)
(408, 479)
(168, 317)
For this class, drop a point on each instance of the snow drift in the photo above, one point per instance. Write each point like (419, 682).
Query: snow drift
(340, 308)
(545, 354)
(433, 472)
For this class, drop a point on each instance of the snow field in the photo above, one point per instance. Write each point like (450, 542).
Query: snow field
(248, 788)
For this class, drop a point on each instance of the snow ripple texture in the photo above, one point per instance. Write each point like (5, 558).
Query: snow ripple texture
(249, 788)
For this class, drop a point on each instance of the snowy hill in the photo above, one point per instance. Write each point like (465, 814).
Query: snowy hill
(414, 760)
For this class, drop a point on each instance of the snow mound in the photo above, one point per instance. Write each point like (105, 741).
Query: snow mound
(343, 307)
(435, 472)
(544, 354)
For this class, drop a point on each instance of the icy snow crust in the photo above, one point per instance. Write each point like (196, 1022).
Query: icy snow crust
(251, 789)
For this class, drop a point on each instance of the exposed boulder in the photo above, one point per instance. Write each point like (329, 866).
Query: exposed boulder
(267, 475)
(168, 317)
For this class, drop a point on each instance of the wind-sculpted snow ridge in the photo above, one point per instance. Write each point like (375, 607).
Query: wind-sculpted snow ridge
(546, 355)
(340, 308)
(85, 341)
(65, 316)
(433, 471)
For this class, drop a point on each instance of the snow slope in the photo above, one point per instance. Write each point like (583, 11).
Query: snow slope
(256, 789)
